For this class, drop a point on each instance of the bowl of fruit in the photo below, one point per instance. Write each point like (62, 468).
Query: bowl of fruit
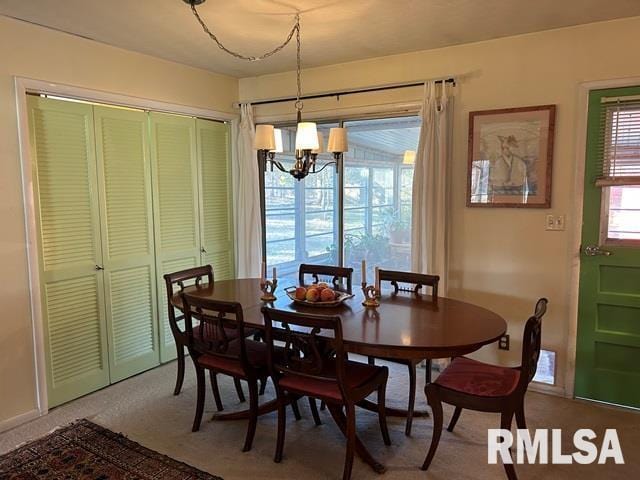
(317, 295)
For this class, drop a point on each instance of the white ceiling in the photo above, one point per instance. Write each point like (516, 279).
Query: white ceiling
(333, 31)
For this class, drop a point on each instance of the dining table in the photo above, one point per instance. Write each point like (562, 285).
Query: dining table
(403, 326)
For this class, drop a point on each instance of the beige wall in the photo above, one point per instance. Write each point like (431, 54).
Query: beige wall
(500, 258)
(42, 54)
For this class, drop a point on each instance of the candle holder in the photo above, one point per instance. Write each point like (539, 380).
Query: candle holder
(371, 295)
(268, 288)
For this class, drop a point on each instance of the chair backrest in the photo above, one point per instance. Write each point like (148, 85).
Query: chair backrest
(531, 342)
(418, 280)
(339, 275)
(213, 337)
(305, 345)
(178, 279)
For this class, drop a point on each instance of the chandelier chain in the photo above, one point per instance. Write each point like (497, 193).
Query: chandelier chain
(298, 104)
(294, 29)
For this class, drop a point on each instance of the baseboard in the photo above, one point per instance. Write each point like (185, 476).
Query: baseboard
(13, 422)
(548, 389)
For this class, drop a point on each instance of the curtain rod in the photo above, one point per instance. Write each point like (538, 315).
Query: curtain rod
(346, 92)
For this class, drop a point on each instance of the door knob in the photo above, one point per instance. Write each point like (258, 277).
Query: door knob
(99, 267)
(594, 250)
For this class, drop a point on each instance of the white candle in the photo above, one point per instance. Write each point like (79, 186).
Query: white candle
(378, 278)
(364, 272)
(274, 273)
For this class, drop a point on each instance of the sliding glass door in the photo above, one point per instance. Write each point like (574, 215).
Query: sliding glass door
(303, 221)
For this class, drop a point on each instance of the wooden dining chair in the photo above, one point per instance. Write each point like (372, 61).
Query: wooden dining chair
(339, 277)
(212, 348)
(175, 283)
(467, 383)
(418, 280)
(308, 369)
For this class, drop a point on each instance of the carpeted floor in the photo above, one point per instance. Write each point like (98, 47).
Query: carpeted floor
(144, 409)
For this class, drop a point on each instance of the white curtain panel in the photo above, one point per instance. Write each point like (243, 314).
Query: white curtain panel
(430, 180)
(247, 199)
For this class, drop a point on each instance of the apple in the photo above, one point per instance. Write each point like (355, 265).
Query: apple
(313, 294)
(301, 293)
(327, 295)
(322, 285)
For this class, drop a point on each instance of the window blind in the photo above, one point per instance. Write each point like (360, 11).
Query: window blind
(619, 142)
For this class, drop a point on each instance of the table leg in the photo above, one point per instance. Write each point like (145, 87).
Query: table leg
(391, 412)
(361, 450)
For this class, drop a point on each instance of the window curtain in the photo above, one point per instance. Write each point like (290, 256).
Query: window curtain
(430, 180)
(247, 199)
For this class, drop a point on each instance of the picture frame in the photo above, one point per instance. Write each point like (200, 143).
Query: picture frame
(510, 157)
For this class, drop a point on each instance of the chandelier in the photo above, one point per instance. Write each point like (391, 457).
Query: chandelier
(309, 142)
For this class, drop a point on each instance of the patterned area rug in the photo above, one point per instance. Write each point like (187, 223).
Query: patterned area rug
(84, 450)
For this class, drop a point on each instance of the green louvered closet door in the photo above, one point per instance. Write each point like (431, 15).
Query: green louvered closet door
(215, 198)
(124, 179)
(175, 188)
(66, 196)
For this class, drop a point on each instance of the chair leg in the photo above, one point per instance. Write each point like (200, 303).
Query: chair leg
(506, 419)
(295, 408)
(323, 406)
(454, 419)
(412, 399)
(238, 385)
(371, 361)
(520, 421)
(351, 441)
(436, 408)
(216, 392)
(199, 398)
(314, 411)
(427, 373)
(282, 424)
(263, 386)
(180, 376)
(382, 413)
(253, 415)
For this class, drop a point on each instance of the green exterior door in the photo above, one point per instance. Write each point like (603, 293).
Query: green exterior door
(72, 288)
(124, 180)
(608, 344)
(176, 205)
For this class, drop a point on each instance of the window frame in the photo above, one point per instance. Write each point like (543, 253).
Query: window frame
(340, 184)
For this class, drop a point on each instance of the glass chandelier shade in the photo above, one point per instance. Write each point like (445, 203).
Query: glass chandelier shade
(264, 138)
(338, 141)
(307, 136)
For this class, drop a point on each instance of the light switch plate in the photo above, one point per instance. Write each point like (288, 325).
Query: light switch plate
(554, 222)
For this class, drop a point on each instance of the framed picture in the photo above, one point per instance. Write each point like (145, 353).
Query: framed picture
(510, 157)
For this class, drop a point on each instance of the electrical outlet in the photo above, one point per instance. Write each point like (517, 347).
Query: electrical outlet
(554, 222)
(503, 343)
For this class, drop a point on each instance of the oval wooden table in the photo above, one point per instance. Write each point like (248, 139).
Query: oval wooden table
(403, 326)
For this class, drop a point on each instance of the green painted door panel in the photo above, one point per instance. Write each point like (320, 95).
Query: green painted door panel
(124, 180)
(608, 346)
(176, 206)
(216, 213)
(66, 197)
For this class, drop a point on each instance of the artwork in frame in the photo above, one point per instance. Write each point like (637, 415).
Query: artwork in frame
(510, 157)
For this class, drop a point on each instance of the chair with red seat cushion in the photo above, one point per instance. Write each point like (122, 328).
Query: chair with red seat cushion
(211, 348)
(339, 277)
(179, 279)
(313, 365)
(467, 383)
(418, 280)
